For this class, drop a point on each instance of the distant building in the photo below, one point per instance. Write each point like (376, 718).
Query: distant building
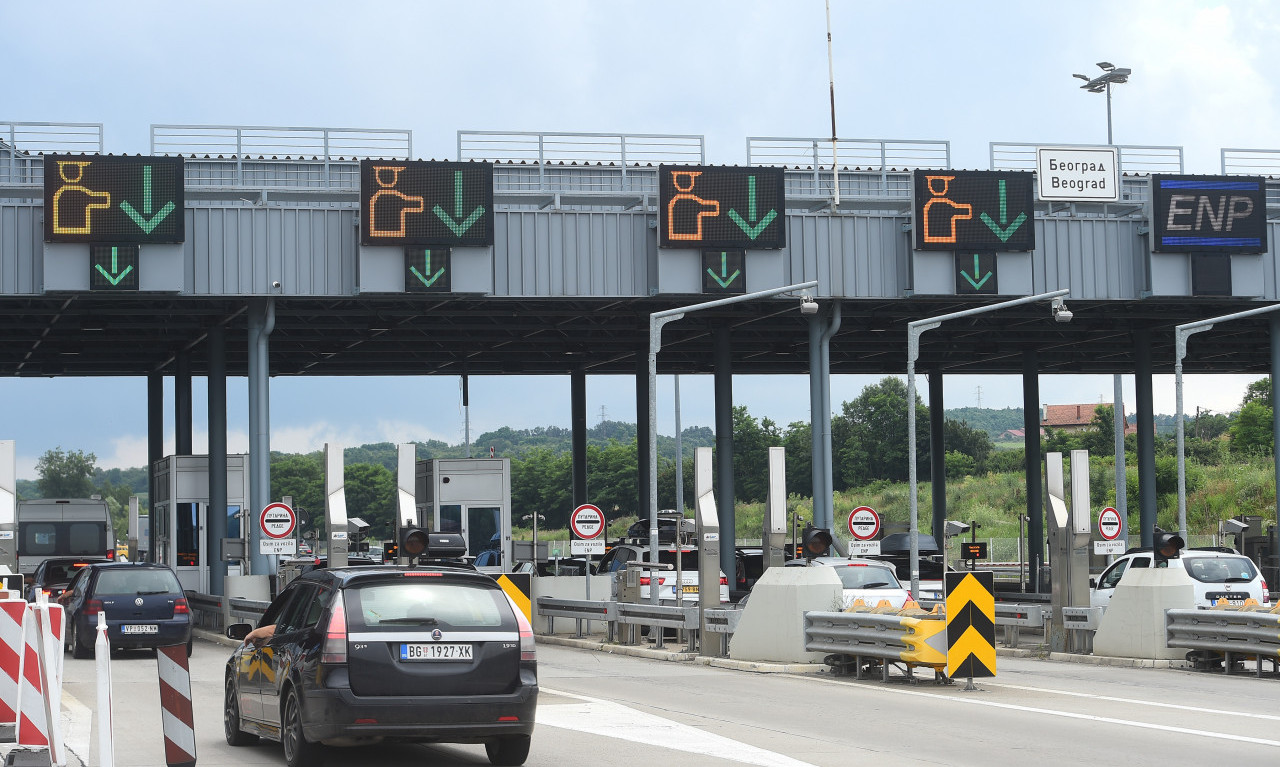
(1074, 419)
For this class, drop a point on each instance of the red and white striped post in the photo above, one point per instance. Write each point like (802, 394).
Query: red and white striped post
(175, 706)
(49, 649)
(12, 612)
(33, 724)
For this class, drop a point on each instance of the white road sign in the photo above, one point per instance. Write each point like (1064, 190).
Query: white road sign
(864, 548)
(586, 521)
(1108, 547)
(285, 546)
(278, 521)
(864, 523)
(1109, 524)
(579, 546)
(1078, 174)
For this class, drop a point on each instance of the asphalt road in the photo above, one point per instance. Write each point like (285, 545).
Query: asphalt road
(600, 708)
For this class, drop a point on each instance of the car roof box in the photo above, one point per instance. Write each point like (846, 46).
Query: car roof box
(900, 543)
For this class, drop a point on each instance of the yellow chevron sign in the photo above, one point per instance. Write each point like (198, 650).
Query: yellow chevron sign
(517, 587)
(971, 624)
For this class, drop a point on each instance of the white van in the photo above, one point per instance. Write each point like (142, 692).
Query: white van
(63, 527)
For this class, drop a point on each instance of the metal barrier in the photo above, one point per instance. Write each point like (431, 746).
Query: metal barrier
(659, 617)
(1236, 634)
(722, 623)
(912, 638)
(215, 612)
(1082, 622)
(1014, 617)
(578, 609)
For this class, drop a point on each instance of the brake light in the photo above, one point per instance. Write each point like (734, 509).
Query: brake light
(1266, 595)
(528, 646)
(92, 607)
(644, 580)
(180, 607)
(724, 581)
(111, 554)
(419, 573)
(335, 635)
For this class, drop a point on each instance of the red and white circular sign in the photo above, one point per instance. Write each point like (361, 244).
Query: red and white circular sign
(587, 521)
(1109, 524)
(278, 521)
(864, 523)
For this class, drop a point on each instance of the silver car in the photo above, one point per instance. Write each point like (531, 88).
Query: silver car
(869, 580)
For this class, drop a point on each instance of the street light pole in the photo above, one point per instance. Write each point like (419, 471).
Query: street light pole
(915, 329)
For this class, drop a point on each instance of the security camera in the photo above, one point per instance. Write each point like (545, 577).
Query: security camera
(1232, 526)
(275, 283)
(1060, 311)
(952, 529)
(808, 305)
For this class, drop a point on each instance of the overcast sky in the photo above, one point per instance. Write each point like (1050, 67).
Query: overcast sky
(969, 73)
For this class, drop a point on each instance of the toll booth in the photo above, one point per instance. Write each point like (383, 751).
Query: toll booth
(471, 496)
(180, 513)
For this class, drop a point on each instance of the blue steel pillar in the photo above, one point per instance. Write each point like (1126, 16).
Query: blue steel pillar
(1145, 407)
(937, 453)
(155, 451)
(578, 439)
(261, 320)
(182, 404)
(1035, 493)
(216, 517)
(724, 449)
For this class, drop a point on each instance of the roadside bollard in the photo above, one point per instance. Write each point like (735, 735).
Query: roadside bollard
(175, 704)
(49, 649)
(102, 658)
(12, 612)
(33, 728)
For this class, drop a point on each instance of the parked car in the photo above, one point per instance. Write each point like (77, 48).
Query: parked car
(868, 580)
(433, 653)
(52, 575)
(1216, 574)
(617, 557)
(143, 602)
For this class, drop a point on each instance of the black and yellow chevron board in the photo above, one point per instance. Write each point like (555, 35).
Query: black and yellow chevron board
(971, 624)
(518, 588)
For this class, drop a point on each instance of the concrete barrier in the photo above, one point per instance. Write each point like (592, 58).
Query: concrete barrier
(1133, 625)
(772, 624)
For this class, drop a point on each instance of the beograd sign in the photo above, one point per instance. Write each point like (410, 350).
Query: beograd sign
(1078, 174)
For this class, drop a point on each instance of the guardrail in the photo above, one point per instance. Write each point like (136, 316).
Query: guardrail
(1082, 623)
(578, 609)
(214, 612)
(722, 623)
(658, 617)
(1236, 634)
(911, 638)
(1015, 617)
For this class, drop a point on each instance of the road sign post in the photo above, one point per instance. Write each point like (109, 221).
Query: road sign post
(1110, 526)
(277, 522)
(586, 524)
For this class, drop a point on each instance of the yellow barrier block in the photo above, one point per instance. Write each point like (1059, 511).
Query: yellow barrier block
(927, 639)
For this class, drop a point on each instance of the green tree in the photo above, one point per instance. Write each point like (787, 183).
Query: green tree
(1251, 433)
(301, 476)
(370, 491)
(869, 437)
(959, 437)
(798, 441)
(66, 474)
(1258, 391)
(751, 442)
(959, 464)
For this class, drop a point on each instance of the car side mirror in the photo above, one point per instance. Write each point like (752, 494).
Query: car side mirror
(1093, 583)
(238, 631)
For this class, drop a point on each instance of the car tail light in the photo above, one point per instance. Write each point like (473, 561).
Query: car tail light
(644, 580)
(111, 554)
(724, 581)
(528, 646)
(335, 635)
(1266, 595)
(92, 607)
(180, 607)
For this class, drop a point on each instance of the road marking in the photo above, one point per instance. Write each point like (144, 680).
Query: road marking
(1067, 714)
(1091, 696)
(614, 720)
(77, 723)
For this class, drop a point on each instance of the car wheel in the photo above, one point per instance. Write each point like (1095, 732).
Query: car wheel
(231, 717)
(297, 751)
(78, 648)
(508, 750)
(190, 642)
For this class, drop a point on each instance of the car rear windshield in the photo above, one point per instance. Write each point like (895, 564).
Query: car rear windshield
(688, 558)
(425, 601)
(867, 577)
(140, 581)
(1221, 569)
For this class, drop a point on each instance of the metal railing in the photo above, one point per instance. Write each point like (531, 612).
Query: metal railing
(890, 638)
(1015, 617)
(278, 157)
(22, 142)
(214, 612)
(1082, 623)
(875, 168)
(1255, 162)
(578, 609)
(530, 161)
(1236, 634)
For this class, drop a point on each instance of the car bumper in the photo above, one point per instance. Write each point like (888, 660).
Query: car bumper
(337, 713)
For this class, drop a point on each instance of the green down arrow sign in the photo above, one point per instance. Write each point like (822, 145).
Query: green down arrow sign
(145, 220)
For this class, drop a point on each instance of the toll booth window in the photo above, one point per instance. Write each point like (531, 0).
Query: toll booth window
(39, 538)
(160, 533)
(187, 536)
(86, 538)
(450, 519)
(233, 521)
(482, 526)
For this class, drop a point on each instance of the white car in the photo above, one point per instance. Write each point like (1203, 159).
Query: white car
(872, 581)
(617, 557)
(1217, 574)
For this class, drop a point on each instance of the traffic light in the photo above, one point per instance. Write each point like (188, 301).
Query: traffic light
(816, 541)
(414, 542)
(1166, 546)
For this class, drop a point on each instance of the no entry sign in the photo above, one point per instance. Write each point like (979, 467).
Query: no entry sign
(586, 521)
(1109, 524)
(278, 521)
(864, 523)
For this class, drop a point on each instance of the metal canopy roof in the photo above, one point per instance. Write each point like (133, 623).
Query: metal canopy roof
(92, 335)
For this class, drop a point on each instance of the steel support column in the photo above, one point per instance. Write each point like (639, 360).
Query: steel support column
(182, 404)
(216, 518)
(261, 320)
(1145, 409)
(578, 440)
(724, 445)
(155, 446)
(1031, 443)
(645, 424)
(1275, 437)
(937, 453)
(817, 448)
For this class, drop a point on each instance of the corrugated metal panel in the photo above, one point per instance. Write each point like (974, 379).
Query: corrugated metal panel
(549, 254)
(849, 256)
(1095, 258)
(21, 240)
(240, 251)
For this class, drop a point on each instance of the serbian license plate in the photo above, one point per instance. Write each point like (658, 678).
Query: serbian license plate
(435, 652)
(691, 589)
(139, 628)
(1232, 597)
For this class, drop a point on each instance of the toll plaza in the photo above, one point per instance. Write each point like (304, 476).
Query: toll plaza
(230, 250)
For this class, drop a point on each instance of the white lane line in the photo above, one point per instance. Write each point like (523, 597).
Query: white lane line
(1067, 714)
(614, 720)
(1138, 702)
(77, 724)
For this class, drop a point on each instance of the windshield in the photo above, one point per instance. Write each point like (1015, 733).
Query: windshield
(1220, 569)
(867, 577)
(424, 601)
(140, 581)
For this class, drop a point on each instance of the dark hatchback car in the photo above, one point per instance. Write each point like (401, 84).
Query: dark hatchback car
(53, 574)
(364, 654)
(143, 602)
